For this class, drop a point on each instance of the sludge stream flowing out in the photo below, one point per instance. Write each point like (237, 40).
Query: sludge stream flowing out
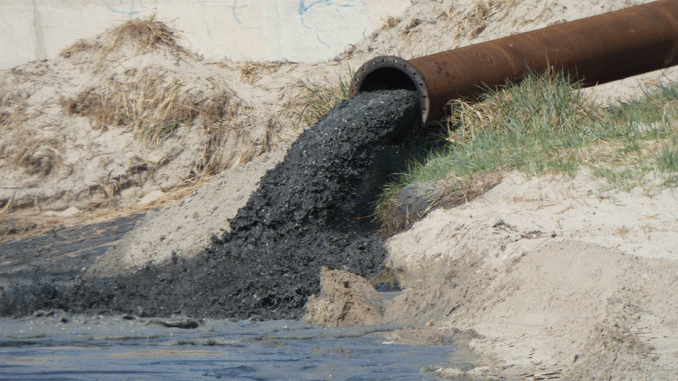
(304, 215)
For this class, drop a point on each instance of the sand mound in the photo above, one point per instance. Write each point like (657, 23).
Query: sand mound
(185, 228)
(130, 117)
(346, 300)
(117, 117)
(557, 277)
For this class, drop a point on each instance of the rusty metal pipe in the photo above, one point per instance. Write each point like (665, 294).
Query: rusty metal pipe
(594, 50)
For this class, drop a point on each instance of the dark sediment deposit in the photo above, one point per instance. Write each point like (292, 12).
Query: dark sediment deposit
(58, 256)
(310, 211)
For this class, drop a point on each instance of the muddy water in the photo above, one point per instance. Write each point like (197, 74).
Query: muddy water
(81, 347)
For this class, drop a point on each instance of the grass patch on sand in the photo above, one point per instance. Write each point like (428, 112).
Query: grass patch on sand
(545, 124)
(251, 71)
(318, 100)
(150, 102)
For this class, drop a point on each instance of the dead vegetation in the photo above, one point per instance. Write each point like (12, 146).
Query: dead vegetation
(411, 26)
(12, 107)
(36, 155)
(9, 119)
(18, 148)
(390, 23)
(144, 35)
(229, 143)
(154, 102)
(151, 103)
(178, 123)
(477, 18)
(79, 47)
(453, 192)
(250, 71)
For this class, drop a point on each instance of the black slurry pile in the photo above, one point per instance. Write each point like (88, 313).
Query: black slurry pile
(308, 212)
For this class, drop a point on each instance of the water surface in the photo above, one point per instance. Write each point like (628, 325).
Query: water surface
(78, 347)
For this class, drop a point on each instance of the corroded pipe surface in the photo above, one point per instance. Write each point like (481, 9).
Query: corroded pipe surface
(594, 50)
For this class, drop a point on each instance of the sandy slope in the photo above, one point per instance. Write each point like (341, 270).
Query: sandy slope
(77, 136)
(556, 276)
(548, 277)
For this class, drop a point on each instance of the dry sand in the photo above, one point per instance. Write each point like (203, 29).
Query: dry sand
(555, 276)
(546, 278)
(77, 138)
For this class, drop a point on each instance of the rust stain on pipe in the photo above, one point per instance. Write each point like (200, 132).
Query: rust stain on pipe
(594, 50)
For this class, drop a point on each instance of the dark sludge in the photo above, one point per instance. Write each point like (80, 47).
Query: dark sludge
(308, 212)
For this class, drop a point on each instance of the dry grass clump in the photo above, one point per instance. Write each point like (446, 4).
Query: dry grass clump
(390, 23)
(317, 100)
(153, 103)
(79, 47)
(454, 192)
(233, 146)
(229, 141)
(145, 35)
(12, 108)
(477, 18)
(13, 145)
(9, 119)
(36, 155)
(410, 27)
(150, 102)
(250, 71)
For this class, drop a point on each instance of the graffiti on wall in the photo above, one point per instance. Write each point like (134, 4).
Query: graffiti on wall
(120, 7)
(317, 16)
(235, 7)
(296, 30)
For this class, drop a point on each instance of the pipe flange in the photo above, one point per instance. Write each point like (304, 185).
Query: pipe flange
(391, 73)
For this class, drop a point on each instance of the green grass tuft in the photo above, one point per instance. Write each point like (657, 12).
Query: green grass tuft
(319, 99)
(545, 124)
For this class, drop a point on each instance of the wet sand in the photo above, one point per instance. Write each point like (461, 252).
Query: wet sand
(61, 254)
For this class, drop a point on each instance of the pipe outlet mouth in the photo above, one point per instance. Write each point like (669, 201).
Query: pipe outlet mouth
(391, 73)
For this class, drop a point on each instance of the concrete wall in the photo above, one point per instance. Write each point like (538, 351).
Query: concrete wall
(296, 30)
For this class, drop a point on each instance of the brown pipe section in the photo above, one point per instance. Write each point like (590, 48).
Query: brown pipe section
(594, 50)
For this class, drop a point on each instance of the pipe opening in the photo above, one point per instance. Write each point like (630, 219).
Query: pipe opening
(387, 78)
(391, 73)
